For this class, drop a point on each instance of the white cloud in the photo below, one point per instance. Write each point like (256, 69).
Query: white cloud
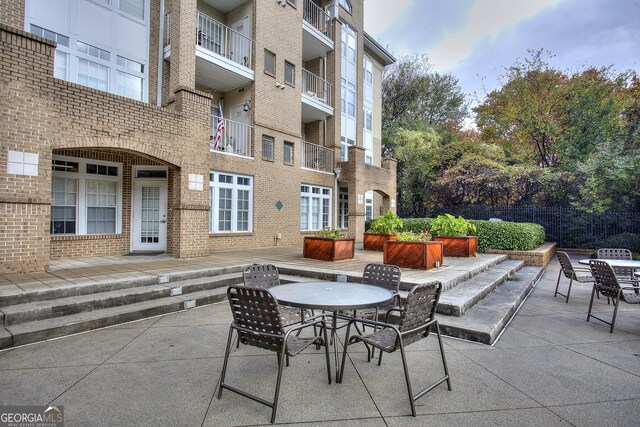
(488, 18)
(378, 15)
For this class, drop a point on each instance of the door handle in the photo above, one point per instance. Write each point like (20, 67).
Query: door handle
(164, 221)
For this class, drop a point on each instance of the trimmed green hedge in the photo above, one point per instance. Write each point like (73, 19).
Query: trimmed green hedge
(518, 236)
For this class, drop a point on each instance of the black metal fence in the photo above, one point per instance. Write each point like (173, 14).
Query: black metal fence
(569, 227)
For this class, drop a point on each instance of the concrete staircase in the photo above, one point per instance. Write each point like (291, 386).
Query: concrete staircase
(476, 304)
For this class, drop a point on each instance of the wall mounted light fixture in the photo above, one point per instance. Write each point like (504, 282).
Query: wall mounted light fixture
(246, 106)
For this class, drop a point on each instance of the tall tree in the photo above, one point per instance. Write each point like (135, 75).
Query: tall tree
(412, 92)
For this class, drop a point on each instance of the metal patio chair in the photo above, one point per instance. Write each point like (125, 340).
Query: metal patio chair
(623, 273)
(264, 276)
(417, 319)
(256, 316)
(579, 274)
(608, 285)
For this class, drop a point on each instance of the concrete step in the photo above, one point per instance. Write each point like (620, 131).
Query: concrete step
(459, 299)
(485, 321)
(40, 330)
(39, 310)
(106, 284)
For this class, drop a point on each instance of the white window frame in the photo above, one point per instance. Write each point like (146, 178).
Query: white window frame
(322, 195)
(81, 203)
(348, 89)
(214, 185)
(368, 205)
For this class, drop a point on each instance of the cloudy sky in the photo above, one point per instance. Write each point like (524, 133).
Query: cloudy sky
(476, 39)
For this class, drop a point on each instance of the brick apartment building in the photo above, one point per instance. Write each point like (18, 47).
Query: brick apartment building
(185, 126)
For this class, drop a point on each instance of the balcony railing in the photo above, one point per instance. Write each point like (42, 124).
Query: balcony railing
(317, 157)
(224, 41)
(235, 139)
(318, 18)
(316, 87)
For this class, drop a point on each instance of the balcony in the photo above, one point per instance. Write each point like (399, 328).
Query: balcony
(316, 157)
(317, 102)
(235, 139)
(223, 55)
(317, 34)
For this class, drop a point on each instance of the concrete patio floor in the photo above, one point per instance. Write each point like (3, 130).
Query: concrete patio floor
(550, 367)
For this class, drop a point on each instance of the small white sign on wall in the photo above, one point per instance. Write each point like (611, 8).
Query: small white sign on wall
(196, 182)
(360, 199)
(393, 203)
(20, 163)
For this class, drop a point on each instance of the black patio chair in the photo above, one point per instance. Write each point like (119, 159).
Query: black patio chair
(608, 285)
(623, 273)
(417, 319)
(256, 317)
(265, 276)
(581, 275)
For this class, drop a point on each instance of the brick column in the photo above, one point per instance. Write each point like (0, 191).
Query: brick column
(357, 188)
(183, 41)
(392, 166)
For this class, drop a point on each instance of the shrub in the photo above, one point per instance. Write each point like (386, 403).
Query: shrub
(388, 223)
(516, 236)
(448, 225)
(417, 224)
(409, 236)
(329, 233)
(629, 241)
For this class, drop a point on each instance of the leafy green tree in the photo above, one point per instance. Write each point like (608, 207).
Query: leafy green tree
(415, 95)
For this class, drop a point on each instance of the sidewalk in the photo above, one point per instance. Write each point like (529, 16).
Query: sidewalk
(549, 368)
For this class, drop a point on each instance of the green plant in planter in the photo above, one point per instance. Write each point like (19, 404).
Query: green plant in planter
(410, 236)
(449, 226)
(330, 233)
(388, 223)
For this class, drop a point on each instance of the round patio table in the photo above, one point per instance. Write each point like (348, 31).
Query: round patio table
(628, 263)
(332, 296)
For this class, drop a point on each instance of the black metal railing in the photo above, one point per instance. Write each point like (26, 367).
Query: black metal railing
(568, 227)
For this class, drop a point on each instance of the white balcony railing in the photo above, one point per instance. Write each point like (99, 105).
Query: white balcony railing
(224, 41)
(316, 87)
(317, 157)
(318, 18)
(236, 138)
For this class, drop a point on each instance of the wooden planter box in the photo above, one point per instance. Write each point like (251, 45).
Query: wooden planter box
(324, 249)
(375, 242)
(418, 255)
(466, 246)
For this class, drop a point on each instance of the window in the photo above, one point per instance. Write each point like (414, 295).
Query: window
(315, 207)
(343, 209)
(133, 7)
(368, 205)
(130, 64)
(128, 85)
(348, 90)
(61, 58)
(231, 198)
(289, 73)
(64, 195)
(93, 75)
(267, 147)
(269, 62)
(86, 196)
(93, 51)
(287, 154)
(101, 207)
(346, 4)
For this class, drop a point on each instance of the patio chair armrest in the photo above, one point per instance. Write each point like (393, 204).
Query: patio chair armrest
(424, 326)
(372, 323)
(254, 332)
(391, 310)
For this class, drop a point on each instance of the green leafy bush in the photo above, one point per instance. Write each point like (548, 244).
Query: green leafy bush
(329, 233)
(417, 224)
(492, 234)
(448, 225)
(410, 236)
(629, 241)
(388, 223)
(516, 236)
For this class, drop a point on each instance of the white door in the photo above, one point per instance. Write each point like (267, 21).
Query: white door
(238, 133)
(149, 215)
(240, 46)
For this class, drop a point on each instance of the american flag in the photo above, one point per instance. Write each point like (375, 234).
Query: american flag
(219, 129)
